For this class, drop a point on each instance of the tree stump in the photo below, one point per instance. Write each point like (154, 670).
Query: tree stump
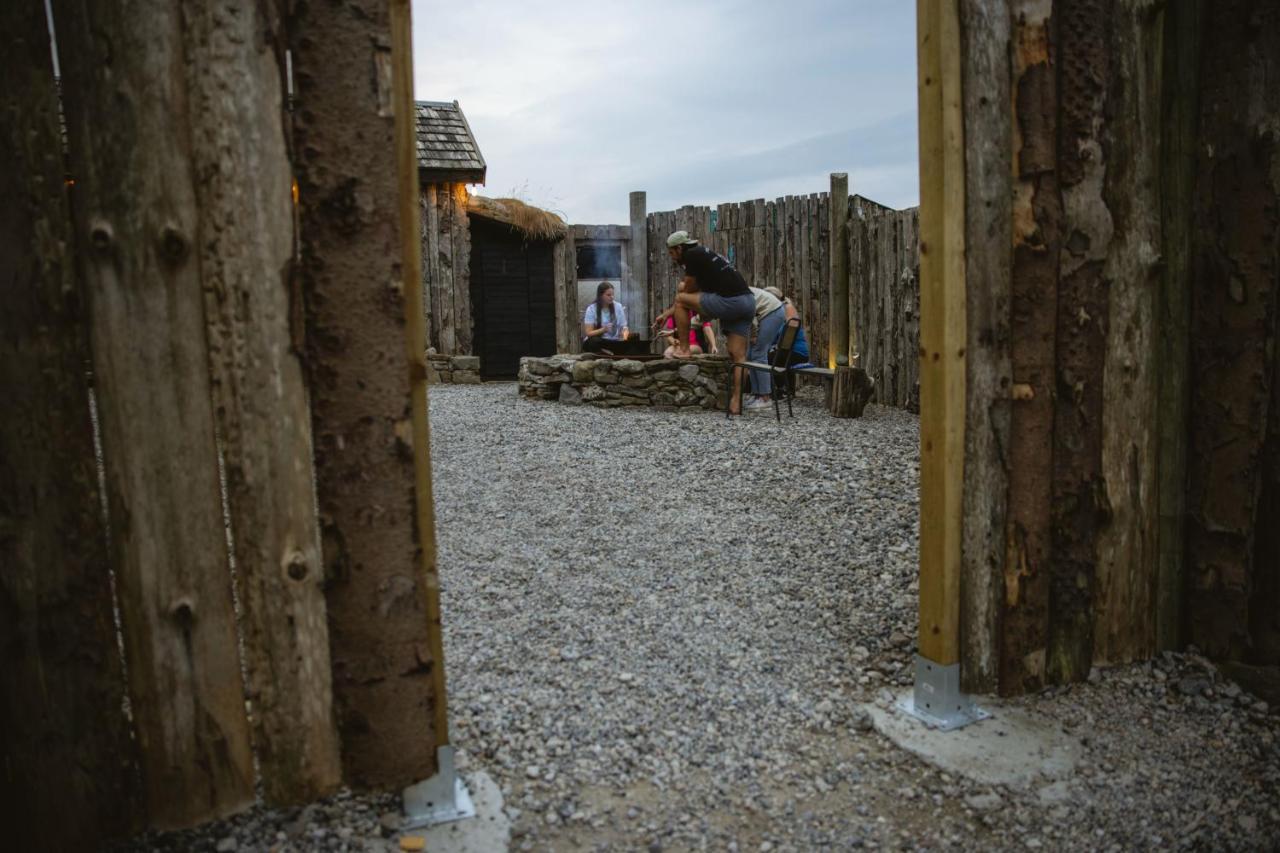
(851, 389)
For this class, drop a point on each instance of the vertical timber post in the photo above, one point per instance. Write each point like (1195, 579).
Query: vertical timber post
(440, 797)
(841, 345)
(639, 294)
(937, 698)
(68, 773)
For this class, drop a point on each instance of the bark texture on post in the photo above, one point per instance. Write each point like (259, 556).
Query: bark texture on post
(138, 231)
(1037, 227)
(1234, 263)
(988, 260)
(245, 250)
(63, 733)
(638, 255)
(383, 663)
(1084, 29)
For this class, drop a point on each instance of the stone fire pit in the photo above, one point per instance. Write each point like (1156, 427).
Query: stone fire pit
(691, 383)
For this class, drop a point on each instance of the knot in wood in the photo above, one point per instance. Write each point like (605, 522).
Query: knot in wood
(296, 566)
(173, 244)
(183, 612)
(101, 236)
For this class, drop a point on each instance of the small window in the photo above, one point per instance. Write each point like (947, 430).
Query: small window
(600, 262)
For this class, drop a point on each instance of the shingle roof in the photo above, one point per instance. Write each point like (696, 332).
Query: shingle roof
(447, 150)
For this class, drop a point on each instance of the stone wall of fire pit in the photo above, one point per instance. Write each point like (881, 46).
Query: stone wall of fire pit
(453, 369)
(692, 383)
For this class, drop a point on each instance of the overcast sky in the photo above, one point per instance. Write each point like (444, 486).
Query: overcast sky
(575, 103)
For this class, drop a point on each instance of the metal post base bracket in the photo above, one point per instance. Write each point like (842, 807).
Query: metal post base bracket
(440, 799)
(937, 701)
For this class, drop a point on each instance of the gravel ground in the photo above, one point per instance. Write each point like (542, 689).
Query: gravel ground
(659, 628)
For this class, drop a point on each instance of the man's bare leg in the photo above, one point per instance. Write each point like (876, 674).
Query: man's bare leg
(737, 347)
(684, 304)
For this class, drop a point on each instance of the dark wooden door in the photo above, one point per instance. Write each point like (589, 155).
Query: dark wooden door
(513, 299)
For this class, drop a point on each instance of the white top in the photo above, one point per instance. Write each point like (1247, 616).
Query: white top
(615, 315)
(766, 303)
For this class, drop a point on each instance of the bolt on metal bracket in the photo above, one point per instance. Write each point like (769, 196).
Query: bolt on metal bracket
(937, 700)
(439, 799)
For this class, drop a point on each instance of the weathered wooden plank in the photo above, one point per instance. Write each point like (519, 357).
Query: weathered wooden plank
(63, 735)
(448, 265)
(1081, 334)
(1180, 92)
(638, 253)
(245, 248)
(415, 339)
(942, 328)
(139, 224)
(838, 273)
(1037, 228)
(381, 646)
(460, 227)
(1237, 217)
(431, 263)
(1124, 624)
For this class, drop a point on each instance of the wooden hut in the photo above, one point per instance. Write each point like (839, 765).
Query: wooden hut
(499, 276)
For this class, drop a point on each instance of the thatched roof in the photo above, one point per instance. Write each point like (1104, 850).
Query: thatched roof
(533, 222)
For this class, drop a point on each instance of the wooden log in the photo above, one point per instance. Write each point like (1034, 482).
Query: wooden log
(942, 328)
(431, 264)
(245, 246)
(1080, 338)
(1037, 227)
(1180, 108)
(638, 254)
(460, 228)
(138, 222)
(448, 270)
(988, 225)
(424, 529)
(1123, 603)
(838, 274)
(63, 735)
(851, 389)
(384, 666)
(1237, 215)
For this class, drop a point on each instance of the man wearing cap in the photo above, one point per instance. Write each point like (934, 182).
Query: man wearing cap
(711, 288)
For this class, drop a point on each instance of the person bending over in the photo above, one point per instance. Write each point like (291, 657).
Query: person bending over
(770, 317)
(799, 349)
(605, 322)
(713, 289)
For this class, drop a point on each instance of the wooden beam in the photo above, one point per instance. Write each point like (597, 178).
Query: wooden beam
(416, 347)
(260, 402)
(139, 225)
(942, 326)
(69, 774)
(386, 665)
(841, 343)
(639, 249)
(989, 260)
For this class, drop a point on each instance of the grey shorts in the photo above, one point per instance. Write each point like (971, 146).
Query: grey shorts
(735, 313)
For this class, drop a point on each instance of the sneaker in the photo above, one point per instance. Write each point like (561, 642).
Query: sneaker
(757, 403)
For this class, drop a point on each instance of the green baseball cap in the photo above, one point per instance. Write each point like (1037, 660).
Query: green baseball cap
(680, 238)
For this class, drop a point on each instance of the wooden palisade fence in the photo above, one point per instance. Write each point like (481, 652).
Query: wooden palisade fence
(786, 244)
(222, 328)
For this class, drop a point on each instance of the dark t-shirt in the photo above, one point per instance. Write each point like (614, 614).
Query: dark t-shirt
(712, 272)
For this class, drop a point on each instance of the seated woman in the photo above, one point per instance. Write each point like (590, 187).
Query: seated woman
(604, 322)
(800, 349)
(696, 325)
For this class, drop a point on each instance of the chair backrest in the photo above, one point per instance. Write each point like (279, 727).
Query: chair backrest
(786, 343)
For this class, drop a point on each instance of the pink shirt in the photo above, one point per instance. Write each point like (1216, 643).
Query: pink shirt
(694, 320)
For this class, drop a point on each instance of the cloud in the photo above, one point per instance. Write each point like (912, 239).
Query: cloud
(577, 103)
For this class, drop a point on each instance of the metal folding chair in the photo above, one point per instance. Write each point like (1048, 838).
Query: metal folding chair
(777, 368)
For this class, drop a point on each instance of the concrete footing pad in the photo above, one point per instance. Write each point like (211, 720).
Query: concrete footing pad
(488, 832)
(1016, 747)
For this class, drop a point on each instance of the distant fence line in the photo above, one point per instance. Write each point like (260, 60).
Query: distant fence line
(786, 244)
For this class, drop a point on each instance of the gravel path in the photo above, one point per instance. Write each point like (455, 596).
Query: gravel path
(659, 628)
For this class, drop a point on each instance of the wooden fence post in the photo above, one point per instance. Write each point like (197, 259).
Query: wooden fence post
(68, 778)
(942, 327)
(639, 261)
(138, 231)
(841, 346)
(384, 660)
(245, 246)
